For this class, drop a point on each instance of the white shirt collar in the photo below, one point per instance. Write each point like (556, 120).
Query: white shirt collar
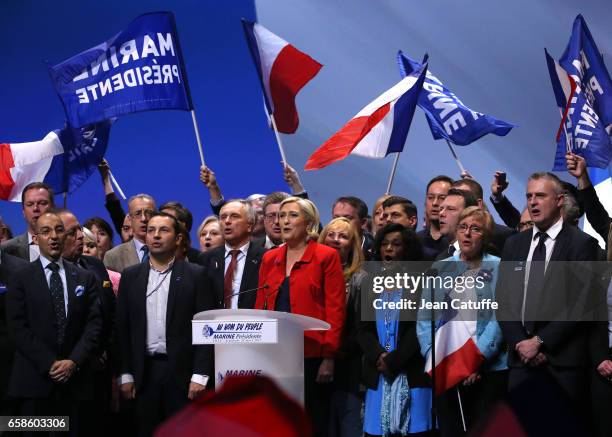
(552, 232)
(46, 261)
(242, 249)
(138, 245)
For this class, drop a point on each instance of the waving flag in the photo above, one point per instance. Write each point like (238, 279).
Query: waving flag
(283, 70)
(447, 116)
(589, 110)
(63, 159)
(139, 69)
(378, 129)
(581, 130)
(457, 355)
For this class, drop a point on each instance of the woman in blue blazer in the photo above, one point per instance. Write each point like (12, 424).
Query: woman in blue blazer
(453, 288)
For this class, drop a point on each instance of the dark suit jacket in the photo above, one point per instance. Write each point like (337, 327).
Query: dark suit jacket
(188, 295)
(507, 211)
(567, 290)
(500, 234)
(107, 299)
(17, 246)
(595, 212)
(9, 264)
(214, 264)
(31, 323)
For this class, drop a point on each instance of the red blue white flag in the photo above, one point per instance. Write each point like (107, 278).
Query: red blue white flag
(378, 129)
(283, 71)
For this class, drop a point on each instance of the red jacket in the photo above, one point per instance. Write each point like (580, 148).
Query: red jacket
(316, 289)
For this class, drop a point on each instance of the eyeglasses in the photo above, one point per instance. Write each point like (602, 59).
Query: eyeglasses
(463, 228)
(45, 232)
(272, 216)
(146, 212)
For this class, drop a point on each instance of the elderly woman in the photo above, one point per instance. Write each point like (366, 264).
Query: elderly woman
(398, 396)
(485, 382)
(345, 413)
(305, 277)
(209, 233)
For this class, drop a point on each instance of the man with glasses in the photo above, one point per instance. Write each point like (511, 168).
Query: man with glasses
(141, 207)
(36, 199)
(54, 321)
(271, 207)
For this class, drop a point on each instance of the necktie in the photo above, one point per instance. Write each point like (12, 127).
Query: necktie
(451, 249)
(145, 252)
(229, 277)
(57, 295)
(536, 281)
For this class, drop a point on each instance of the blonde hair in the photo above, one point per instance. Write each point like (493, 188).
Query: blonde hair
(311, 214)
(207, 220)
(482, 214)
(355, 258)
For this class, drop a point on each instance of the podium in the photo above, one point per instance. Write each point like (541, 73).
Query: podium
(257, 342)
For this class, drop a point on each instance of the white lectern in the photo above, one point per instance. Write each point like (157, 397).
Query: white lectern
(257, 342)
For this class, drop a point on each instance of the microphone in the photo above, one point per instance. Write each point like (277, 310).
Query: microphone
(267, 296)
(263, 287)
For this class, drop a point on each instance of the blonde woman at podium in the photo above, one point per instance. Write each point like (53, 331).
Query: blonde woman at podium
(305, 277)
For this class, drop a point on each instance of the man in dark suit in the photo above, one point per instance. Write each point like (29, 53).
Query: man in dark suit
(355, 210)
(54, 322)
(234, 268)
(8, 266)
(159, 367)
(185, 218)
(271, 207)
(534, 288)
(36, 199)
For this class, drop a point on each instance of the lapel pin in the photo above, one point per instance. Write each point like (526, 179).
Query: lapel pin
(79, 290)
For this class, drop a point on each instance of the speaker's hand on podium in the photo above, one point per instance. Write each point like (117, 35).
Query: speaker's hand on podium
(326, 371)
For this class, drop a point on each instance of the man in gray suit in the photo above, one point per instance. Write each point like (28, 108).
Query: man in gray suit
(36, 199)
(141, 207)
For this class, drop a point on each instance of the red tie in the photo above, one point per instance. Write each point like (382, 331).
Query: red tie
(229, 277)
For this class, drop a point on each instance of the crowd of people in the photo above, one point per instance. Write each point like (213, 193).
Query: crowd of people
(102, 333)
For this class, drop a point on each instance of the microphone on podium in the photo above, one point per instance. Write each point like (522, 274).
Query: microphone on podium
(263, 287)
(269, 295)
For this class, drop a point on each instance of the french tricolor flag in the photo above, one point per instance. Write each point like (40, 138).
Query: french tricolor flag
(457, 355)
(378, 129)
(64, 159)
(283, 70)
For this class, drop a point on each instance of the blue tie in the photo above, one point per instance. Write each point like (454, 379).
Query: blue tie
(145, 251)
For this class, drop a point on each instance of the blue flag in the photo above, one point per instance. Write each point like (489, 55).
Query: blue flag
(581, 129)
(589, 121)
(84, 149)
(447, 116)
(139, 69)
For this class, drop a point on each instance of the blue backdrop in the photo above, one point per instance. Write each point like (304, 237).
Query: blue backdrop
(491, 55)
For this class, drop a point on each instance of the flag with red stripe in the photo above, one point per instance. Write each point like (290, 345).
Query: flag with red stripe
(378, 129)
(283, 71)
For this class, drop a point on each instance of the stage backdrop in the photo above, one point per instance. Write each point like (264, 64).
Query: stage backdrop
(491, 56)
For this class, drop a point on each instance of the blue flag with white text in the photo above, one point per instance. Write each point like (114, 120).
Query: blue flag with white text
(589, 121)
(83, 150)
(447, 116)
(139, 69)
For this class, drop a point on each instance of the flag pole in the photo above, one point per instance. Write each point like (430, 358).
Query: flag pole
(116, 184)
(278, 140)
(461, 410)
(197, 133)
(392, 175)
(452, 150)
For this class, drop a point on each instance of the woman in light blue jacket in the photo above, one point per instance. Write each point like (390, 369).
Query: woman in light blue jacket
(465, 284)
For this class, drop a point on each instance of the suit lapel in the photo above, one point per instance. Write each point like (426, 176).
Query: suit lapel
(71, 283)
(131, 257)
(140, 291)
(218, 265)
(558, 251)
(45, 292)
(176, 278)
(251, 266)
(23, 248)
